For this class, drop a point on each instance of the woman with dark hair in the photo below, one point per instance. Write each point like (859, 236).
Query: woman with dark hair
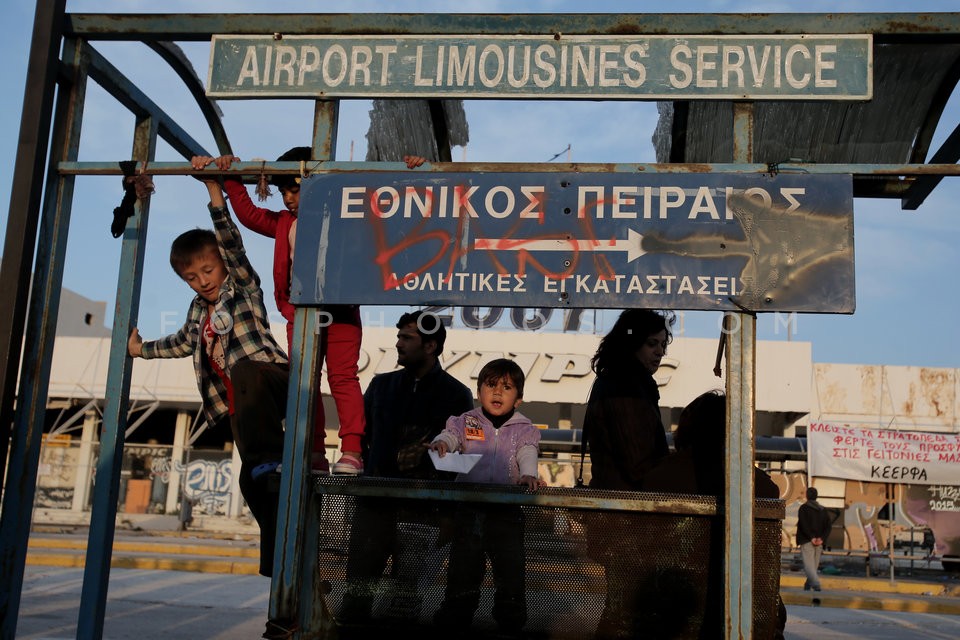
(622, 426)
(624, 432)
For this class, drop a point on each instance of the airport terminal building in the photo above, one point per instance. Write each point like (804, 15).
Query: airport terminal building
(170, 455)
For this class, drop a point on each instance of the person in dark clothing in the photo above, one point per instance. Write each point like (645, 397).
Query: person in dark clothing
(697, 467)
(405, 410)
(240, 369)
(409, 407)
(622, 425)
(813, 528)
(700, 441)
(624, 433)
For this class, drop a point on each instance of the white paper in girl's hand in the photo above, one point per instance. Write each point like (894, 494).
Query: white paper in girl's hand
(456, 461)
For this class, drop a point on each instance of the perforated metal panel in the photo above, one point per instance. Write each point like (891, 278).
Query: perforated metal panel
(628, 564)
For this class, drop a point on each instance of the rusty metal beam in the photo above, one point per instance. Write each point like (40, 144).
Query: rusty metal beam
(96, 574)
(201, 27)
(293, 589)
(559, 497)
(741, 416)
(293, 168)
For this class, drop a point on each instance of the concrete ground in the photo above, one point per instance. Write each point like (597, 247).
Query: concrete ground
(204, 584)
(156, 604)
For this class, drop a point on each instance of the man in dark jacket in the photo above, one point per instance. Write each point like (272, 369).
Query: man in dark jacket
(405, 410)
(813, 528)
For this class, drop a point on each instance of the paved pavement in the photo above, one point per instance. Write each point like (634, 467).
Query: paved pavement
(146, 605)
(193, 585)
(161, 604)
(818, 623)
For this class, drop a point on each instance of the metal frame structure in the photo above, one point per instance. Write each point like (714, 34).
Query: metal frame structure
(42, 198)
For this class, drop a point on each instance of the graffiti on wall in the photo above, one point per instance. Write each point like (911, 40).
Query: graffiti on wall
(54, 497)
(864, 522)
(937, 507)
(207, 483)
(160, 467)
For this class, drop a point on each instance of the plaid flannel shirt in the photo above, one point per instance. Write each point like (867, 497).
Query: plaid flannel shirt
(239, 318)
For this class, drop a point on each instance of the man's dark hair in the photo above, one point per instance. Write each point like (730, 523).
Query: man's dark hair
(701, 431)
(501, 368)
(190, 244)
(429, 326)
(812, 493)
(297, 154)
(702, 425)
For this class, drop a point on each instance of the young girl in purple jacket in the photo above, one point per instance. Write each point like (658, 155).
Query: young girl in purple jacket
(509, 445)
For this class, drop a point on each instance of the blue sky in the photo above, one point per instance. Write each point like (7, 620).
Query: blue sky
(908, 301)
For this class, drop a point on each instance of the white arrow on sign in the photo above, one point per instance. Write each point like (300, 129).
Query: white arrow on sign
(632, 245)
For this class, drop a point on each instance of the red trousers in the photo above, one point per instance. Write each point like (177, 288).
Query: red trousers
(339, 346)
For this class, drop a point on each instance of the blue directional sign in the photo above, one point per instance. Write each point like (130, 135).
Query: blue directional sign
(600, 240)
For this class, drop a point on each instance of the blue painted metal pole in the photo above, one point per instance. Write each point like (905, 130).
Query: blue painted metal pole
(292, 597)
(41, 333)
(96, 575)
(741, 376)
(295, 490)
(313, 613)
(25, 199)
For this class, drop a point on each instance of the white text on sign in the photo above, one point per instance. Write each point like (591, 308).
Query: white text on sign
(628, 202)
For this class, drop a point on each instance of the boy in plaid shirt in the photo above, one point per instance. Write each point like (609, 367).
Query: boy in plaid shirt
(339, 343)
(242, 372)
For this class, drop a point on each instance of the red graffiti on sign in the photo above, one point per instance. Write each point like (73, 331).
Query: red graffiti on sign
(453, 246)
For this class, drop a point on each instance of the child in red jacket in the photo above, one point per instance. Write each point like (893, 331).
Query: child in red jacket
(340, 340)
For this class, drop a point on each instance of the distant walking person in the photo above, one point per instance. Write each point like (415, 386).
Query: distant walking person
(813, 527)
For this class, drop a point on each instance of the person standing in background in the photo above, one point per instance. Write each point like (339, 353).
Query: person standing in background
(813, 528)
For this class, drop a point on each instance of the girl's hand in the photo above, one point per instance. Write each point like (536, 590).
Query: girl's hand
(531, 483)
(414, 161)
(199, 162)
(439, 446)
(223, 162)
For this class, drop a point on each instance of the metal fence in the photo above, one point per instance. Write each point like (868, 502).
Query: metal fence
(564, 563)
